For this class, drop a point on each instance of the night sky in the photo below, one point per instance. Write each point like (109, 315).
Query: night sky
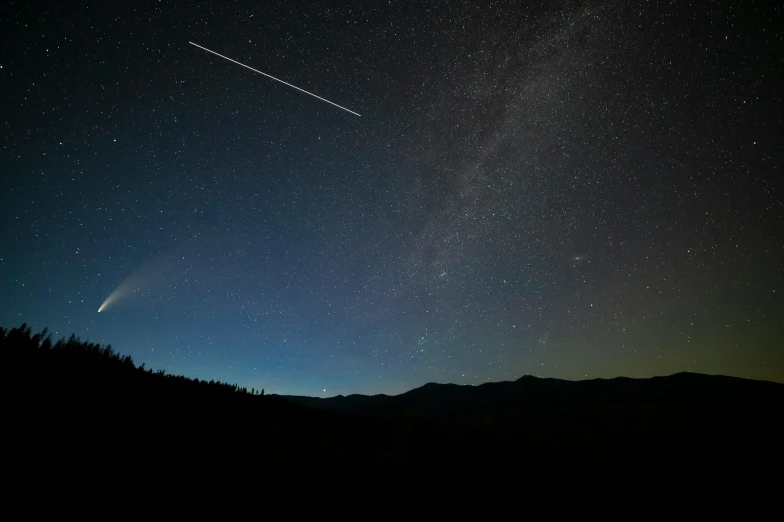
(562, 189)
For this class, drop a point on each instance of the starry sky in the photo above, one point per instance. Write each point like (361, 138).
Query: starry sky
(564, 189)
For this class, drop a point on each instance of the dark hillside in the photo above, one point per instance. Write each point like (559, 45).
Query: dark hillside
(93, 435)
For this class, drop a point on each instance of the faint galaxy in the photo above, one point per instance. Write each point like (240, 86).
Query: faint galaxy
(563, 189)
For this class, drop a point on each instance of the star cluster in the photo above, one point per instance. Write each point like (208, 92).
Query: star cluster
(572, 189)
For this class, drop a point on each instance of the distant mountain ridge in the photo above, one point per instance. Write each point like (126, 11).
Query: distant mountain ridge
(448, 399)
(155, 446)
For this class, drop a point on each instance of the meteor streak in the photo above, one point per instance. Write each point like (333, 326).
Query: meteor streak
(276, 79)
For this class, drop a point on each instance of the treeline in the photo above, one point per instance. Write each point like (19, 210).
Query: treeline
(96, 433)
(91, 434)
(73, 353)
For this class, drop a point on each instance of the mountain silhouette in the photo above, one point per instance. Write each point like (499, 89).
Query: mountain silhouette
(91, 434)
(681, 389)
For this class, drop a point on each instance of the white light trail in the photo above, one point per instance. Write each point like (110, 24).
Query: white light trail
(130, 286)
(121, 291)
(276, 79)
(150, 275)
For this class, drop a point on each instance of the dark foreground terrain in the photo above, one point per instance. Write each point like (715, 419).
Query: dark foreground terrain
(91, 435)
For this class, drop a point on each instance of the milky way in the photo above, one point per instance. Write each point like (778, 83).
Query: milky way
(573, 189)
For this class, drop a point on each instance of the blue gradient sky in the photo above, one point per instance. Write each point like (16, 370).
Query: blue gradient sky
(580, 190)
